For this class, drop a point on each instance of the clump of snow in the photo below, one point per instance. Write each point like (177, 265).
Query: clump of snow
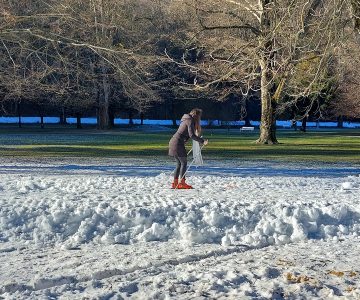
(347, 185)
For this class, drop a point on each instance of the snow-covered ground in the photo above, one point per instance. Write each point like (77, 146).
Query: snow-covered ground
(114, 230)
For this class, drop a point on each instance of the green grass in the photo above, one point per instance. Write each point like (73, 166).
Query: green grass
(319, 146)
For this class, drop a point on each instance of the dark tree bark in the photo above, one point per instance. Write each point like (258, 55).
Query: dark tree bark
(131, 121)
(111, 119)
(268, 107)
(340, 123)
(303, 123)
(173, 116)
(42, 122)
(78, 121)
(247, 117)
(97, 117)
(104, 120)
(356, 14)
(103, 117)
(268, 103)
(19, 114)
(62, 116)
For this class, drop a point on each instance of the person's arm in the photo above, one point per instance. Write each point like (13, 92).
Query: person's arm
(192, 135)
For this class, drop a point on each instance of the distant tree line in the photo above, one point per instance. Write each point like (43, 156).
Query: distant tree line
(230, 110)
(237, 59)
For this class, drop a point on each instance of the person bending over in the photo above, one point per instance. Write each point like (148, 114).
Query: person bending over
(189, 128)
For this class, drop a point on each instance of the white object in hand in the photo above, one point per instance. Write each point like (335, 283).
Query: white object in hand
(197, 157)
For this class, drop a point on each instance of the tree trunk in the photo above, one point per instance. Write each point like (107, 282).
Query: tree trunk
(268, 103)
(303, 123)
(111, 119)
(247, 121)
(62, 116)
(78, 121)
(142, 118)
(356, 14)
(268, 106)
(103, 117)
(42, 122)
(104, 120)
(173, 117)
(97, 117)
(247, 108)
(293, 120)
(19, 114)
(131, 121)
(340, 123)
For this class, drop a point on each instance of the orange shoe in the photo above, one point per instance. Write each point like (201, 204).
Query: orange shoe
(175, 184)
(184, 186)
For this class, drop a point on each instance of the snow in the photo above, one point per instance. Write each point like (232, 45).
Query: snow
(102, 230)
(29, 120)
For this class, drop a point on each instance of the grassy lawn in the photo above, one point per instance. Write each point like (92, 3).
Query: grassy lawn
(331, 145)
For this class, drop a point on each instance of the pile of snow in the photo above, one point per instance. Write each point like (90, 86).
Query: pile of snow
(70, 211)
(92, 233)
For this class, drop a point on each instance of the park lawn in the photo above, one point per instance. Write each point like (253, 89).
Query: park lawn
(318, 146)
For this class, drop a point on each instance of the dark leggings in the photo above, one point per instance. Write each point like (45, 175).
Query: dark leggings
(181, 165)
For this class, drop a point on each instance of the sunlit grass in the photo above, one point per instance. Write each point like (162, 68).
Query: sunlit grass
(326, 146)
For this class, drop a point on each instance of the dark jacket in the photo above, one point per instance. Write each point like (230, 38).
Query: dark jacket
(184, 133)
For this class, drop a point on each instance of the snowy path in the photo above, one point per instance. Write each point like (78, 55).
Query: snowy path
(76, 231)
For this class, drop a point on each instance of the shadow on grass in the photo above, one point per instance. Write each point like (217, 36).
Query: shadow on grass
(335, 155)
(329, 146)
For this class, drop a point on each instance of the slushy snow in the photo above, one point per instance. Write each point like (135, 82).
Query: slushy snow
(74, 235)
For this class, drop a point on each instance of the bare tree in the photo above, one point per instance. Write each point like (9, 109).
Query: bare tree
(101, 36)
(263, 46)
(347, 100)
(356, 14)
(104, 50)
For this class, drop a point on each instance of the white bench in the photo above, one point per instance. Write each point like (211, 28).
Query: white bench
(244, 128)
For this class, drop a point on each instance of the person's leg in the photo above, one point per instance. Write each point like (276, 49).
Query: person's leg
(183, 166)
(175, 183)
(183, 184)
(178, 167)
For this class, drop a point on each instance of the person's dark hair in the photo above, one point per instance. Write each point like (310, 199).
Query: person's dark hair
(196, 114)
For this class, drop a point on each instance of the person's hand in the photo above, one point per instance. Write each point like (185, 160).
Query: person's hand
(206, 142)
